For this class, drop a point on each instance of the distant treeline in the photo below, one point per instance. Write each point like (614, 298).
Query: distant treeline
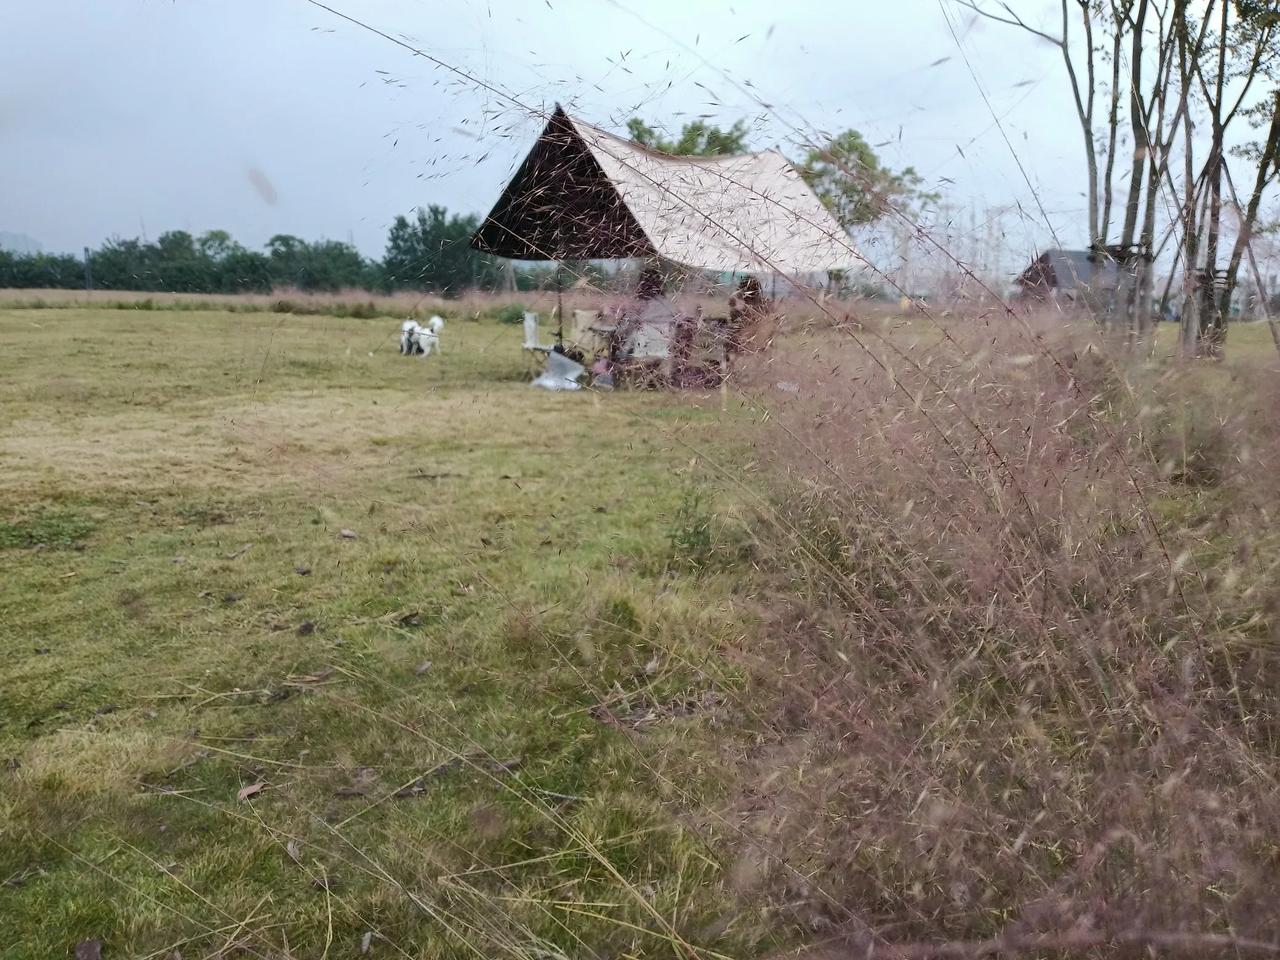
(427, 252)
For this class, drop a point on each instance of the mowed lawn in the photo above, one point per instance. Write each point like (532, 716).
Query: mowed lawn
(312, 650)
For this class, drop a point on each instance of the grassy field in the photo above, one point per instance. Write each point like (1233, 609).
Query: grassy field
(311, 649)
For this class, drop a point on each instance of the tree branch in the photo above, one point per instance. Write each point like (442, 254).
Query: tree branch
(1012, 20)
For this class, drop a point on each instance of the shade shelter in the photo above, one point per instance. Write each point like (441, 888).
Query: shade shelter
(585, 194)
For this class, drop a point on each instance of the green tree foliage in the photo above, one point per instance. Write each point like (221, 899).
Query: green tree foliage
(326, 265)
(697, 139)
(850, 180)
(40, 270)
(217, 245)
(432, 252)
(211, 263)
(228, 267)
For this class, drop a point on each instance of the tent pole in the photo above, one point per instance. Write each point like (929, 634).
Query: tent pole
(560, 303)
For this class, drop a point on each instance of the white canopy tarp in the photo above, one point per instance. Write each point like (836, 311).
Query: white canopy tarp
(739, 214)
(583, 193)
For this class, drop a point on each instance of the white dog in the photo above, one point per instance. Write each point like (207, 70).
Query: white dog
(407, 331)
(417, 338)
(428, 337)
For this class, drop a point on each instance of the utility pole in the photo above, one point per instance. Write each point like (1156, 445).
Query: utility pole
(88, 271)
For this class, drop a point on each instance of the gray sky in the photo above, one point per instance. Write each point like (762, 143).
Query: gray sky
(119, 117)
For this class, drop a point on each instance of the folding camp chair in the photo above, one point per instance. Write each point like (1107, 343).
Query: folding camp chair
(531, 344)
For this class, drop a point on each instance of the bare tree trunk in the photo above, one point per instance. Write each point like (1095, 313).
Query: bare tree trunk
(1157, 161)
(1138, 128)
(1258, 280)
(1144, 290)
(1113, 125)
(1213, 322)
(1268, 158)
(1198, 278)
(1130, 267)
(1083, 94)
(1188, 60)
(1084, 102)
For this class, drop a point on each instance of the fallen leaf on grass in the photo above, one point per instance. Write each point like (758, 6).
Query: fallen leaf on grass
(89, 950)
(365, 941)
(294, 851)
(346, 534)
(251, 790)
(422, 668)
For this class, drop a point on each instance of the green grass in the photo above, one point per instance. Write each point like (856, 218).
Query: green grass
(471, 721)
(182, 616)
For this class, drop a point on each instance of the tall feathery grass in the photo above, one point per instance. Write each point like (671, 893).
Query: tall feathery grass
(1017, 682)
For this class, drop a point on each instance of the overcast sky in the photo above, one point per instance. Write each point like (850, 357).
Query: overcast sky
(133, 117)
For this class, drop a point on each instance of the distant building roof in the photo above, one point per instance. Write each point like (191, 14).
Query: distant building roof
(1069, 272)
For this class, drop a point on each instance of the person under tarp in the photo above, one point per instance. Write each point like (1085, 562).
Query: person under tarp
(747, 307)
(646, 322)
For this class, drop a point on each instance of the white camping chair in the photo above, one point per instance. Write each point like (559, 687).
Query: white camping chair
(531, 342)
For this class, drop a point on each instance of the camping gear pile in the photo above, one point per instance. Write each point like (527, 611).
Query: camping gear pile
(649, 343)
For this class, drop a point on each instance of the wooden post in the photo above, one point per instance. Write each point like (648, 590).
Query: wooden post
(560, 303)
